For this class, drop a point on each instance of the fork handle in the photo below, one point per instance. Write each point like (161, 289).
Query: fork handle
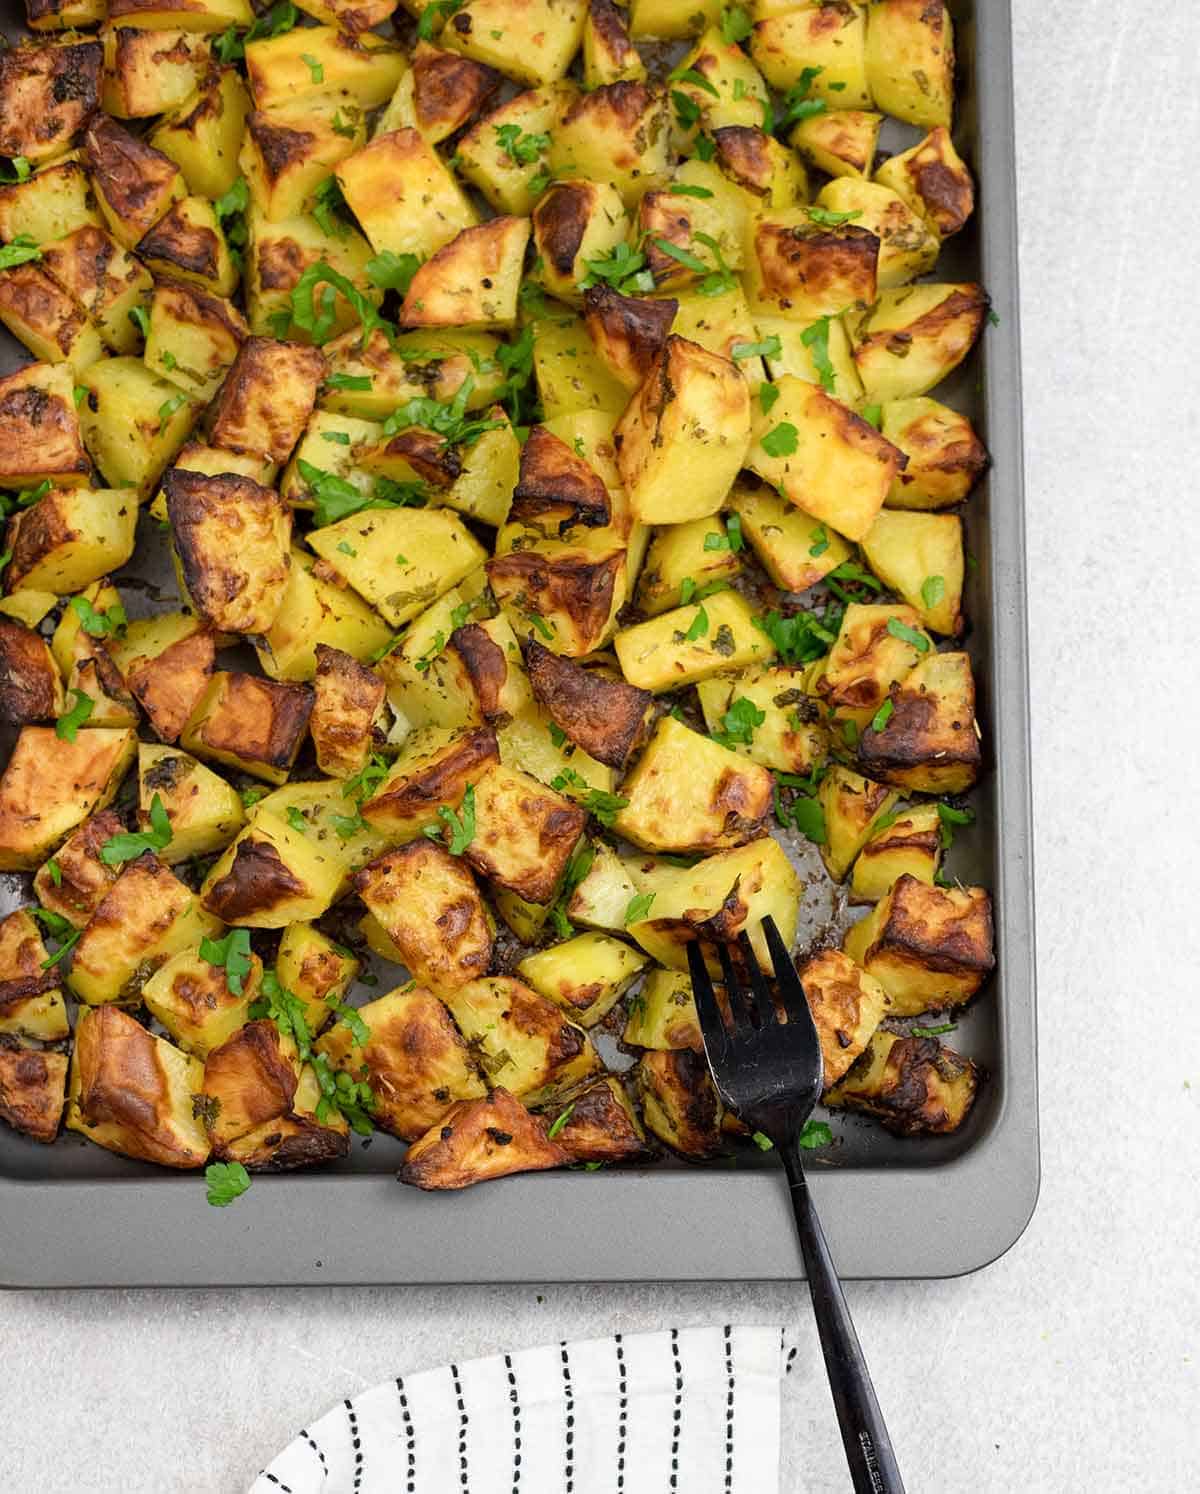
(872, 1462)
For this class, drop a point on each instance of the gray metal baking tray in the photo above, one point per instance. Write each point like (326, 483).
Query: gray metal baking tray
(74, 1215)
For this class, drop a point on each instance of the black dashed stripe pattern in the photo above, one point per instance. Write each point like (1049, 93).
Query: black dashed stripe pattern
(278, 1482)
(355, 1443)
(410, 1438)
(304, 1432)
(515, 1399)
(728, 1407)
(677, 1411)
(463, 1419)
(569, 1414)
(622, 1413)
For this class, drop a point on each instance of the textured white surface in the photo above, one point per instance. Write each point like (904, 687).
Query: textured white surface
(1070, 1364)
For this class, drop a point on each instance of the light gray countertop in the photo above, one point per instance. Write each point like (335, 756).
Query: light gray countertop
(1070, 1363)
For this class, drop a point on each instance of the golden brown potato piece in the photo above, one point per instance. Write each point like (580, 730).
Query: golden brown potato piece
(250, 723)
(135, 183)
(473, 281)
(134, 1093)
(415, 1060)
(33, 1089)
(811, 270)
(267, 397)
(928, 947)
(448, 89)
(347, 700)
(573, 594)
(167, 671)
(664, 218)
(435, 767)
(30, 684)
(83, 879)
(427, 903)
(233, 540)
(847, 1006)
(488, 673)
(31, 1003)
(50, 786)
(628, 332)
(930, 742)
(252, 1077)
(599, 1124)
(274, 874)
(914, 336)
(945, 456)
(914, 1085)
(45, 319)
(524, 833)
(478, 1140)
(679, 1103)
(47, 90)
(604, 716)
(556, 488)
(934, 180)
(298, 1138)
(39, 430)
(186, 242)
(521, 1039)
(744, 154)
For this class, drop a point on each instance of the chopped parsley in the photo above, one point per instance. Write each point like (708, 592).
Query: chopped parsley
(232, 954)
(738, 723)
(730, 540)
(882, 716)
(736, 24)
(67, 726)
(19, 252)
(828, 219)
(225, 1181)
(520, 146)
(816, 339)
(460, 825)
(698, 628)
(950, 819)
(392, 271)
(622, 268)
(129, 845)
(769, 347)
(605, 806)
(104, 624)
(780, 440)
(933, 590)
(909, 635)
(638, 908)
(815, 1134)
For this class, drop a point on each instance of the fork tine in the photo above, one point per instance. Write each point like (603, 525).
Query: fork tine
(790, 988)
(739, 1002)
(712, 1024)
(763, 1002)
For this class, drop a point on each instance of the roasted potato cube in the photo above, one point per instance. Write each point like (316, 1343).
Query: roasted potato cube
(205, 812)
(31, 1003)
(58, 15)
(586, 975)
(488, 165)
(189, 15)
(934, 180)
(151, 72)
(686, 793)
(528, 741)
(913, 337)
(100, 680)
(45, 319)
(791, 546)
(427, 903)
(272, 875)
(569, 594)
(472, 281)
(439, 94)
(361, 70)
(735, 94)
(402, 195)
(804, 268)
(911, 844)
(679, 1101)
(188, 243)
(685, 560)
(39, 432)
(521, 1039)
(602, 896)
(435, 766)
(847, 1006)
(47, 90)
(204, 134)
(524, 833)
(312, 1132)
(430, 683)
(325, 812)
(231, 540)
(74, 882)
(166, 662)
(50, 786)
(28, 606)
(570, 373)
(914, 1085)
(628, 333)
(70, 538)
(766, 716)
(714, 900)
(102, 279)
(195, 1002)
(532, 43)
(758, 164)
(279, 254)
(618, 133)
(928, 947)
(134, 183)
(287, 153)
(840, 142)
(908, 246)
(147, 916)
(347, 701)
(556, 489)
(415, 1061)
(330, 443)
(53, 202)
(691, 643)
(248, 723)
(133, 1093)
(930, 742)
(920, 557)
(663, 1013)
(30, 685)
(72, 642)
(852, 806)
(909, 60)
(605, 717)
(315, 610)
(878, 645)
(267, 397)
(684, 435)
(600, 1124)
(315, 970)
(33, 1090)
(477, 1140)
(945, 456)
(576, 221)
(828, 36)
(608, 54)
(134, 421)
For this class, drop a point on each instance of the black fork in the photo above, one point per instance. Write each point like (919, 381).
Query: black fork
(769, 1072)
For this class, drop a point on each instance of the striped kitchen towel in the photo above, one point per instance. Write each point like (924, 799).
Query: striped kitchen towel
(692, 1410)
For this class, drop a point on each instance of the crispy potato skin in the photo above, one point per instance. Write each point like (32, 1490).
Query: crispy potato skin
(743, 154)
(606, 717)
(555, 484)
(578, 585)
(259, 721)
(267, 397)
(846, 1005)
(944, 929)
(175, 240)
(449, 89)
(33, 1089)
(485, 665)
(601, 1125)
(628, 332)
(679, 1101)
(134, 177)
(30, 685)
(429, 906)
(168, 685)
(39, 434)
(930, 742)
(823, 269)
(32, 300)
(524, 835)
(441, 779)
(347, 697)
(259, 878)
(253, 1081)
(46, 93)
(914, 1086)
(481, 1139)
(85, 880)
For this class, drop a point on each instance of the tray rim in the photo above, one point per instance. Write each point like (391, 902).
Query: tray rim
(930, 1221)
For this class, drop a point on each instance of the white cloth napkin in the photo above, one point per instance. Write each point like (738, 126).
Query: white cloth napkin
(693, 1410)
